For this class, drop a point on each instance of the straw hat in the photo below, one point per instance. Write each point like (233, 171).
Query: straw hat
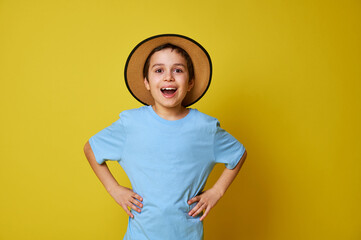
(202, 65)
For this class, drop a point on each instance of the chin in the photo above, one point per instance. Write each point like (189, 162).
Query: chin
(170, 104)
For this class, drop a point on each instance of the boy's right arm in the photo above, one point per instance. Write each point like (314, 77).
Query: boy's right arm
(125, 197)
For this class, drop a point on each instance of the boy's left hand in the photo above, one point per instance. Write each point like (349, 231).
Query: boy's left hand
(206, 200)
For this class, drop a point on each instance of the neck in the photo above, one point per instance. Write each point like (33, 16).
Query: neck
(174, 113)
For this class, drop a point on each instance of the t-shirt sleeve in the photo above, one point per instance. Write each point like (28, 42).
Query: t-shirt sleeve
(227, 149)
(108, 143)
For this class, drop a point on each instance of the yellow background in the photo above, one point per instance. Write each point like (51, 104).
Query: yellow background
(286, 83)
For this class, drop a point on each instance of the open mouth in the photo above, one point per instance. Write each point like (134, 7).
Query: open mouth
(168, 92)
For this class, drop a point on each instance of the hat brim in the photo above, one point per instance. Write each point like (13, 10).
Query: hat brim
(133, 72)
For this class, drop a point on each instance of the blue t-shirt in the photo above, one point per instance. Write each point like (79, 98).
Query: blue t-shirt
(168, 163)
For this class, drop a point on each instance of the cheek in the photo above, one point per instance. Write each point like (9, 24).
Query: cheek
(153, 77)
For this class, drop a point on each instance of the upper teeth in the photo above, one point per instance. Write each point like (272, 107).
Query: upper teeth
(168, 88)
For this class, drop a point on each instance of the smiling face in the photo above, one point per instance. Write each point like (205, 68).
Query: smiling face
(168, 78)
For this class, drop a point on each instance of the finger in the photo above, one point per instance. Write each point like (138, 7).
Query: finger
(205, 214)
(137, 197)
(133, 207)
(196, 207)
(135, 202)
(200, 209)
(195, 199)
(127, 211)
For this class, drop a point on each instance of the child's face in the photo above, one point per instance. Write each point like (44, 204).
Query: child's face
(168, 78)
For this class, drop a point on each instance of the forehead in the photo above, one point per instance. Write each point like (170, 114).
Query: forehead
(167, 55)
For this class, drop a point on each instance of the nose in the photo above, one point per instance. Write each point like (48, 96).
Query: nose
(168, 76)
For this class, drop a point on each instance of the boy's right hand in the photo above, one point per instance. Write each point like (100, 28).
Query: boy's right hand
(125, 197)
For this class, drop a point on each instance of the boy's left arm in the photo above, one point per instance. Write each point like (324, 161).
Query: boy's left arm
(209, 198)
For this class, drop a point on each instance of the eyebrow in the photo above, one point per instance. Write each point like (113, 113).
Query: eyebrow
(161, 64)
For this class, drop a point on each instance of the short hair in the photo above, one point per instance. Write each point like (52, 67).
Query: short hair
(178, 50)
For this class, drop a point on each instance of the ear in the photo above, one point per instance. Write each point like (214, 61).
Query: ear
(146, 83)
(190, 84)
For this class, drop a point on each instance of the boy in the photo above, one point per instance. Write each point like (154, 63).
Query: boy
(166, 149)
